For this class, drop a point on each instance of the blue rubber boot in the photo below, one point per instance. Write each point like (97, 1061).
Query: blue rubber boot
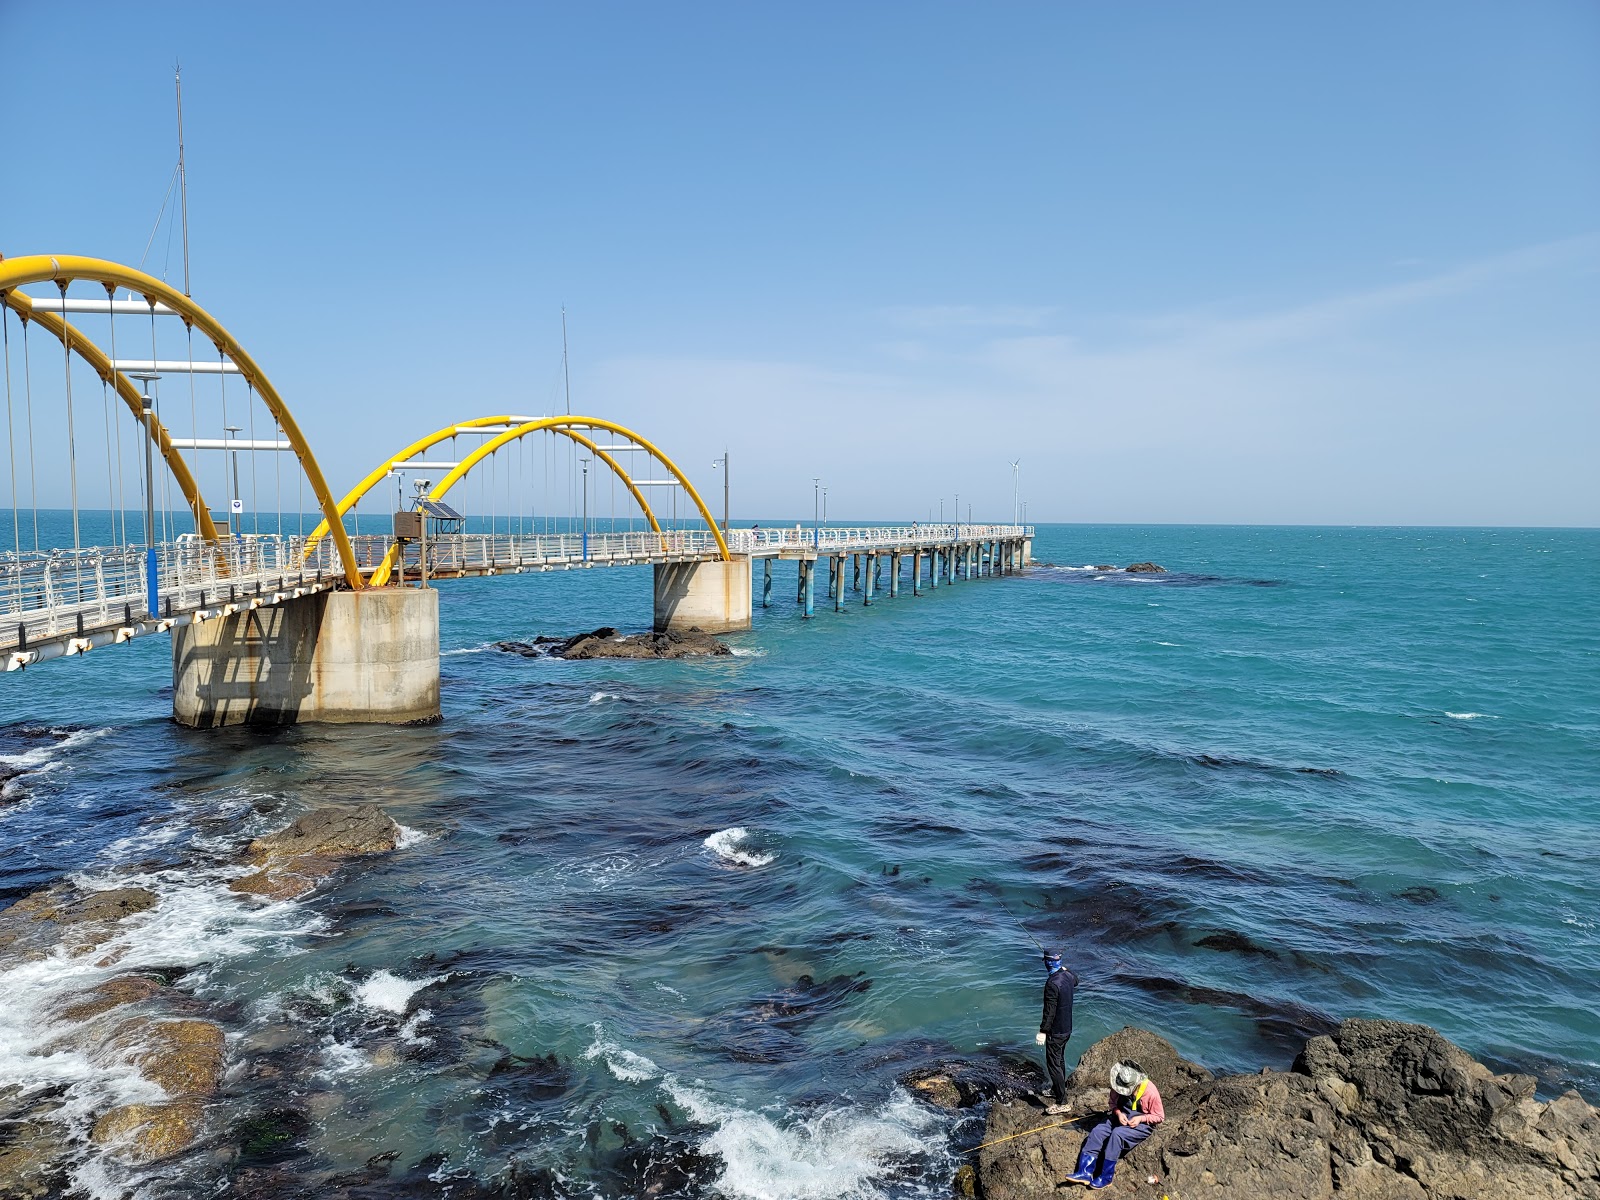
(1102, 1177)
(1082, 1173)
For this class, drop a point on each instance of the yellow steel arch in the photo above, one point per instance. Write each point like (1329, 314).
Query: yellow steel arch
(44, 268)
(64, 332)
(559, 425)
(381, 472)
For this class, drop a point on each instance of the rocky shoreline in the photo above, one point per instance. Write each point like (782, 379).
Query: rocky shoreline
(141, 1019)
(1376, 1110)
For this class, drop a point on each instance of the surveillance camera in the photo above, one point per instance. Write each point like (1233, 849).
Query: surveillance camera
(423, 485)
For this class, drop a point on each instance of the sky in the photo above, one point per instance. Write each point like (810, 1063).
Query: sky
(1233, 262)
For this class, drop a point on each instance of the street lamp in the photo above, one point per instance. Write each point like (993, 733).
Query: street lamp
(824, 506)
(235, 502)
(585, 463)
(723, 463)
(147, 413)
(958, 509)
(1016, 503)
(816, 510)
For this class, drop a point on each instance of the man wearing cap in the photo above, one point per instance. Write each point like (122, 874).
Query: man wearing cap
(1055, 1027)
(1135, 1110)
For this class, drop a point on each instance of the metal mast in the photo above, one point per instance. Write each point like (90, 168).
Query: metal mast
(183, 178)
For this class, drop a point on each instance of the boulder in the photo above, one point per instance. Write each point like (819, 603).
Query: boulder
(147, 1132)
(1378, 1110)
(184, 1057)
(294, 860)
(125, 989)
(1145, 568)
(32, 926)
(693, 643)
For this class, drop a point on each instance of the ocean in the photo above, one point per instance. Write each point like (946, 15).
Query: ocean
(679, 928)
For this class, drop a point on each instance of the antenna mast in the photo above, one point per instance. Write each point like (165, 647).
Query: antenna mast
(566, 377)
(183, 178)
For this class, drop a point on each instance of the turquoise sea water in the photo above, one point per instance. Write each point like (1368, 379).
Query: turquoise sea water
(1308, 774)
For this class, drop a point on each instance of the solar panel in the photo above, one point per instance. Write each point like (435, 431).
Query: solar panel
(440, 510)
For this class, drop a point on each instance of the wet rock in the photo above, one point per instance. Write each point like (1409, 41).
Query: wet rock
(271, 1136)
(293, 861)
(1145, 568)
(1376, 1110)
(184, 1057)
(147, 1132)
(965, 1184)
(125, 989)
(32, 1146)
(1233, 942)
(953, 1084)
(1106, 567)
(62, 913)
(691, 644)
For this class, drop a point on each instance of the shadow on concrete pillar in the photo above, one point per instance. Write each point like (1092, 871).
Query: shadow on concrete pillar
(338, 657)
(710, 596)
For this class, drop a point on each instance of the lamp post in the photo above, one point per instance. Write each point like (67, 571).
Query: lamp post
(958, 512)
(235, 502)
(723, 463)
(1016, 503)
(147, 414)
(824, 506)
(585, 462)
(816, 510)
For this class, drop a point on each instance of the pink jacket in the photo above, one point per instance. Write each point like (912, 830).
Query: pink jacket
(1145, 1099)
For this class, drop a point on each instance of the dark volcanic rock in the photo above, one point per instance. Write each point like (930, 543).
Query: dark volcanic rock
(1145, 568)
(1378, 1110)
(606, 643)
(294, 860)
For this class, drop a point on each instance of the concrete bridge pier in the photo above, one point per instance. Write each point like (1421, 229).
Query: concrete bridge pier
(766, 583)
(338, 657)
(808, 567)
(711, 596)
(836, 565)
(894, 574)
(916, 573)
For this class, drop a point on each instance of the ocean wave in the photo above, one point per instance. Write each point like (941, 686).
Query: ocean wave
(840, 1152)
(408, 837)
(1471, 716)
(388, 992)
(626, 1065)
(478, 649)
(747, 652)
(41, 759)
(726, 844)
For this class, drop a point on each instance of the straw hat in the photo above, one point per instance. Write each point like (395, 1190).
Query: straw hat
(1125, 1077)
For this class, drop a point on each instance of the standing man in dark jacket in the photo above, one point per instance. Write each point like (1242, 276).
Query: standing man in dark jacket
(1055, 1027)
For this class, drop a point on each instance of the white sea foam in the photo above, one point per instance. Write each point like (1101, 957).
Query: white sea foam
(1172, 644)
(671, 991)
(486, 646)
(388, 992)
(411, 1032)
(597, 697)
(747, 652)
(1471, 716)
(726, 845)
(195, 922)
(841, 1152)
(621, 1062)
(408, 837)
(341, 1058)
(43, 758)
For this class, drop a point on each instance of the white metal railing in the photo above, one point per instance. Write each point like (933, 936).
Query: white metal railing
(63, 594)
(847, 538)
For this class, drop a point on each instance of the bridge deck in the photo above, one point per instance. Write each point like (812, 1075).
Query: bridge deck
(65, 602)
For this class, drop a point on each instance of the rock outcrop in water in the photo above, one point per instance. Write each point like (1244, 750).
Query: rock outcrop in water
(1145, 568)
(605, 643)
(1378, 1110)
(294, 860)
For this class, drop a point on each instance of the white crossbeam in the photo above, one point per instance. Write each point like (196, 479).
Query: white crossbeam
(72, 304)
(175, 366)
(225, 444)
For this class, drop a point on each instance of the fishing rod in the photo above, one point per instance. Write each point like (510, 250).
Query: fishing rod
(997, 899)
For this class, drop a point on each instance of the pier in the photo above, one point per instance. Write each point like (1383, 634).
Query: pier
(343, 625)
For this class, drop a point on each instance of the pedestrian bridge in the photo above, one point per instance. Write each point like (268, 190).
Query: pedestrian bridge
(271, 622)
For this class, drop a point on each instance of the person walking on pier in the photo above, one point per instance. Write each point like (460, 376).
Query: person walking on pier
(1055, 1027)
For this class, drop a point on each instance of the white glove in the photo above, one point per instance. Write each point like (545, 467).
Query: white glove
(1039, 1038)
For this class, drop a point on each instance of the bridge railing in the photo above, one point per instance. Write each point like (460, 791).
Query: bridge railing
(845, 537)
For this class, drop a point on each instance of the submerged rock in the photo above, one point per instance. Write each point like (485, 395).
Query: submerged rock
(294, 860)
(1377, 1109)
(150, 1131)
(62, 913)
(125, 989)
(1145, 568)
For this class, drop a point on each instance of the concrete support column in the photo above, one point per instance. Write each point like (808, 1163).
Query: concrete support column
(345, 657)
(916, 572)
(855, 579)
(894, 575)
(710, 596)
(933, 568)
(1027, 551)
(837, 563)
(809, 567)
(766, 583)
(872, 566)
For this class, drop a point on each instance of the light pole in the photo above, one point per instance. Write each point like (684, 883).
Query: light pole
(147, 414)
(723, 463)
(235, 502)
(1016, 503)
(824, 506)
(958, 509)
(585, 462)
(816, 510)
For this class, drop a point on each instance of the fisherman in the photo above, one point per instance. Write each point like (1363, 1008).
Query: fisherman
(1055, 1027)
(1135, 1110)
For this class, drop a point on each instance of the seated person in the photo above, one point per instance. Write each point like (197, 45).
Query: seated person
(1135, 1108)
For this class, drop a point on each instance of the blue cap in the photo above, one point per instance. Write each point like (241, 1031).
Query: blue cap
(1052, 956)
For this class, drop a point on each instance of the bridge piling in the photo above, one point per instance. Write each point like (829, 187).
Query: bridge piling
(809, 569)
(712, 596)
(766, 583)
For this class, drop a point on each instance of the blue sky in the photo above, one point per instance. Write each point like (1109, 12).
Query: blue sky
(1233, 262)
